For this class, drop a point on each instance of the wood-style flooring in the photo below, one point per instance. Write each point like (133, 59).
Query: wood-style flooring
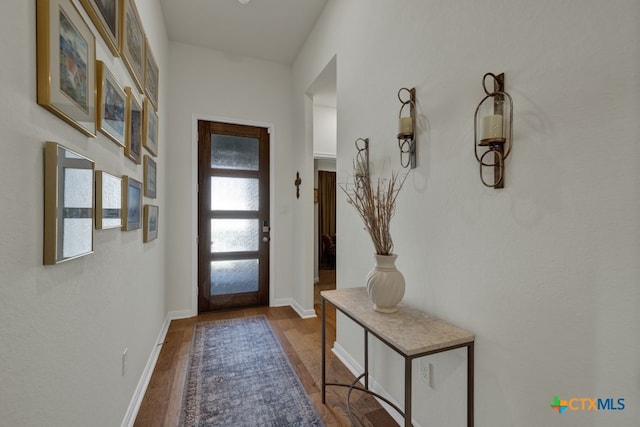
(300, 338)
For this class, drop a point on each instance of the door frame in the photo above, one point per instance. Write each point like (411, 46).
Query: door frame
(195, 117)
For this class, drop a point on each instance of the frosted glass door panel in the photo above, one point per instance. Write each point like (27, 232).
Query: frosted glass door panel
(234, 235)
(234, 194)
(234, 152)
(231, 277)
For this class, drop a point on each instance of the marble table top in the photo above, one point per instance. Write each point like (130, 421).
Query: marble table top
(410, 330)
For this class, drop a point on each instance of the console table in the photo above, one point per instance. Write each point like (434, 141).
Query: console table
(410, 332)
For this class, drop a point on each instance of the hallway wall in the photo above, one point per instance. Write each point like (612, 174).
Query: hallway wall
(63, 328)
(545, 271)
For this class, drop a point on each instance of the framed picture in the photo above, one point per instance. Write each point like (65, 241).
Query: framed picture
(150, 76)
(150, 223)
(133, 136)
(132, 43)
(131, 204)
(108, 201)
(66, 52)
(68, 204)
(112, 106)
(150, 175)
(105, 15)
(150, 128)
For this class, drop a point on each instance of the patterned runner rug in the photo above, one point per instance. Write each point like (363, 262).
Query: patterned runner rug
(240, 376)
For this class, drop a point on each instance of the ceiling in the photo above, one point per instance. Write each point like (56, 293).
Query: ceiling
(272, 30)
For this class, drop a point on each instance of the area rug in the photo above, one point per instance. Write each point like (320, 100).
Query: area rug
(239, 375)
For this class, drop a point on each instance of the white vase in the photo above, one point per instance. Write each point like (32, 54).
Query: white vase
(385, 284)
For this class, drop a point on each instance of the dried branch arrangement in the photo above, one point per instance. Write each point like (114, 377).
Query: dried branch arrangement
(376, 206)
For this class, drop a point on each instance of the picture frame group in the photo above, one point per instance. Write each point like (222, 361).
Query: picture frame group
(73, 84)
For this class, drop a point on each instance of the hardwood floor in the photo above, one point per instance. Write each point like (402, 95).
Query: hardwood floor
(300, 338)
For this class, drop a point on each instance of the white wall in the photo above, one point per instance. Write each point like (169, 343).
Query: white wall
(545, 271)
(324, 131)
(63, 328)
(208, 83)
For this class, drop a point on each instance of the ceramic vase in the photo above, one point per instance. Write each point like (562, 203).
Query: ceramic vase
(385, 284)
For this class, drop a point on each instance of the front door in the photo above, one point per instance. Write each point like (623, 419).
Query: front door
(233, 223)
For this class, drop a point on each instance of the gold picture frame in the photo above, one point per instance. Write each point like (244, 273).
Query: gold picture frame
(150, 128)
(151, 76)
(132, 43)
(108, 201)
(133, 136)
(150, 231)
(68, 204)
(112, 106)
(131, 204)
(66, 57)
(150, 177)
(105, 15)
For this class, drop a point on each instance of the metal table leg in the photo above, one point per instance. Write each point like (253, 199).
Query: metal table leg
(407, 391)
(470, 384)
(323, 339)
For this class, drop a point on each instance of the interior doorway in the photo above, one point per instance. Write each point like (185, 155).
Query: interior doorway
(326, 250)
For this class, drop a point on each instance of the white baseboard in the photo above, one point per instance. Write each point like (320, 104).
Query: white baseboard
(346, 359)
(181, 314)
(305, 314)
(374, 386)
(143, 383)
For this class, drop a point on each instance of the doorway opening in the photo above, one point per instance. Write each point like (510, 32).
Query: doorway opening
(324, 100)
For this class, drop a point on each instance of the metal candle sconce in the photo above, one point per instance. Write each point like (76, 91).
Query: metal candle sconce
(361, 167)
(407, 129)
(495, 132)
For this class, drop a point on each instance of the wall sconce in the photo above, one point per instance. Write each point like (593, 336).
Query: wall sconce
(407, 129)
(492, 129)
(361, 164)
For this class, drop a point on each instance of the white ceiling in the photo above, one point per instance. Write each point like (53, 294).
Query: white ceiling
(272, 30)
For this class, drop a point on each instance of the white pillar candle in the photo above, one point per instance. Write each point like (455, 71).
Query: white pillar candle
(405, 126)
(492, 126)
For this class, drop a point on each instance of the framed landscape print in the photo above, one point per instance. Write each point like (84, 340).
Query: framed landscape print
(108, 201)
(112, 106)
(150, 175)
(68, 204)
(133, 136)
(66, 52)
(132, 43)
(150, 128)
(131, 204)
(105, 15)
(150, 223)
(150, 76)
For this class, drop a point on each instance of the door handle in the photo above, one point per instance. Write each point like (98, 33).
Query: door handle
(266, 239)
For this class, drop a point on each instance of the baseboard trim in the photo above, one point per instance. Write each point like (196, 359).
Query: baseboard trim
(143, 383)
(303, 313)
